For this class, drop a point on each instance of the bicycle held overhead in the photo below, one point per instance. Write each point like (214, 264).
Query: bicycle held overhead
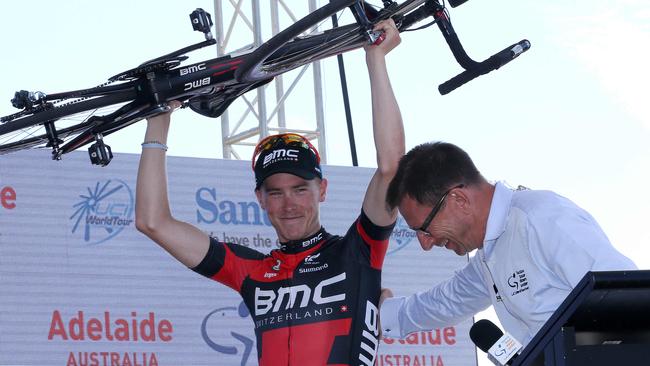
(64, 122)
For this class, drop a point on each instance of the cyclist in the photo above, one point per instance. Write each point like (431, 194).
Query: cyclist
(313, 300)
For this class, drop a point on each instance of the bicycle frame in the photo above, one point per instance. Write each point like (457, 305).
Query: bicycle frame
(209, 87)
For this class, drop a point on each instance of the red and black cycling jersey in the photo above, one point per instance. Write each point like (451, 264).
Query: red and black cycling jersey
(313, 301)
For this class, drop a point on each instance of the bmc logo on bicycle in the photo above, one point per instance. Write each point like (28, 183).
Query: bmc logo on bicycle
(269, 300)
(103, 211)
(7, 198)
(197, 84)
(193, 68)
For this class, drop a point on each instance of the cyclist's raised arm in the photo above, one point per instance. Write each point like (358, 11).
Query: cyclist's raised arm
(153, 216)
(388, 130)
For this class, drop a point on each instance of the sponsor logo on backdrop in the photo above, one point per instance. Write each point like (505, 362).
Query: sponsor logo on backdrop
(106, 328)
(420, 348)
(7, 198)
(103, 211)
(212, 209)
(401, 237)
(217, 325)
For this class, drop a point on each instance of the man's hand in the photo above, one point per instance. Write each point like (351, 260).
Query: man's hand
(385, 293)
(165, 117)
(391, 38)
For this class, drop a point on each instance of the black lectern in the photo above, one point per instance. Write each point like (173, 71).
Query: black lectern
(605, 320)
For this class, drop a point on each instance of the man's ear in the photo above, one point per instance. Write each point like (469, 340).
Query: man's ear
(461, 198)
(323, 190)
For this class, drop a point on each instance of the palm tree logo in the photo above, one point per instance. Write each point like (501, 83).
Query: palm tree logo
(103, 211)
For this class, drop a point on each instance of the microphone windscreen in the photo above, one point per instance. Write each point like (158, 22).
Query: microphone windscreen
(484, 334)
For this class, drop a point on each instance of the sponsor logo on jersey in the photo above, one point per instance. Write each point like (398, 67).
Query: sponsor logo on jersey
(313, 240)
(370, 335)
(277, 265)
(311, 259)
(103, 211)
(284, 298)
(518, 282)
(270, 275)
(313, 269)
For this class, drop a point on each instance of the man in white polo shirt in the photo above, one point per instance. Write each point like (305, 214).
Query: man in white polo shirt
(532, 246)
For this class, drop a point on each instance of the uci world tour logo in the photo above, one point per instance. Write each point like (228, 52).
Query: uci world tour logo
(103, 211)
(401, 236)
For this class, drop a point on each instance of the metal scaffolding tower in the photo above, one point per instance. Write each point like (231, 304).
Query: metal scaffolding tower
(263, 111)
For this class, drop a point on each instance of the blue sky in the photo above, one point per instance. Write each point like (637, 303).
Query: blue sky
(570, 115)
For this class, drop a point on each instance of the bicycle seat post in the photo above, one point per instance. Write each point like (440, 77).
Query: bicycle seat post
(201, 21)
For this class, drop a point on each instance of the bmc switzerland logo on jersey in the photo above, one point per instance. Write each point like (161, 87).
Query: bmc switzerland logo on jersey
(285, 298)
(103, 211)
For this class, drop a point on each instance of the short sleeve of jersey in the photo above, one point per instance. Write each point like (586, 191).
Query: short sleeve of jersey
(375, 238)
(228, 263)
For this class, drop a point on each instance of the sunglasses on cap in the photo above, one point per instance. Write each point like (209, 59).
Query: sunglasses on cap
(286, 139)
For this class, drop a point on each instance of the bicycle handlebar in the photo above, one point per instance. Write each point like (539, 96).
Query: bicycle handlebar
(455, 3)
(472, 68)
(494, 62)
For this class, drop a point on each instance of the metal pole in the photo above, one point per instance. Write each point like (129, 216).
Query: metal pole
(279, 84)
(318, 97)
(346, 102)
(261, 91)
(226, 149)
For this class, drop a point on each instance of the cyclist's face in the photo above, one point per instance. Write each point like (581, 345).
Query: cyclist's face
(292, 204)
(450, 228)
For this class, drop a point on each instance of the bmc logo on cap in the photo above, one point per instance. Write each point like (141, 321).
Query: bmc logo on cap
(281, 154)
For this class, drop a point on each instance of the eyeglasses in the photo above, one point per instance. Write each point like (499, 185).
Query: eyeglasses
(424, 228)
(289, 139)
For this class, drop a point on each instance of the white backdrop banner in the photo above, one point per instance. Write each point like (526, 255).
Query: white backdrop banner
(79, 285)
